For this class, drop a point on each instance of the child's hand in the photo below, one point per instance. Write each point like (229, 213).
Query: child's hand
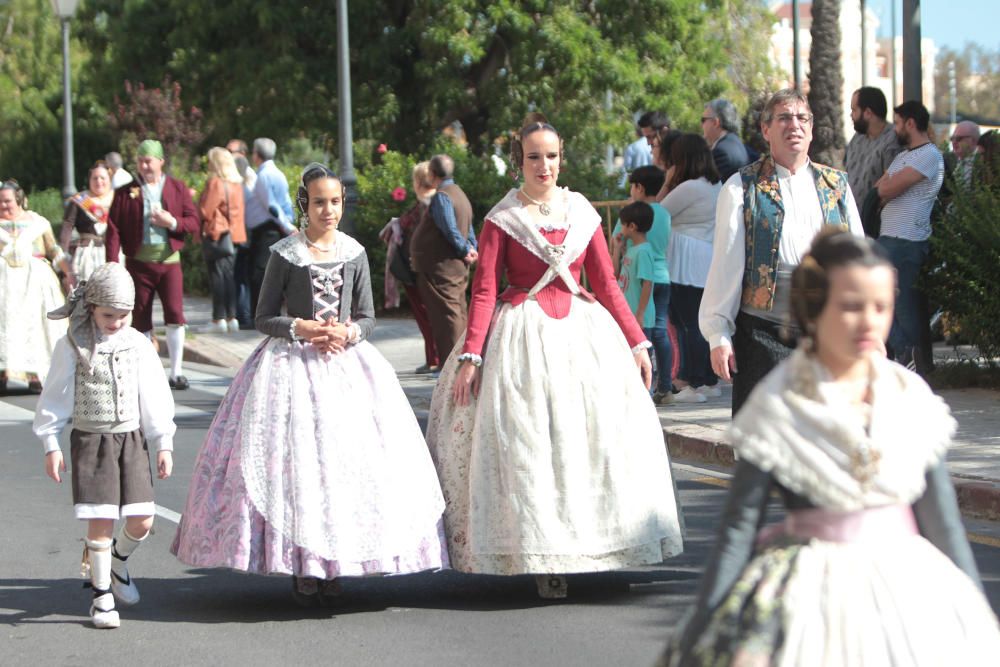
(164, 463)
(54, 464)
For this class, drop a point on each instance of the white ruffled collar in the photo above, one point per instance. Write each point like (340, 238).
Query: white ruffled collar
(795, 426)
(294, 249)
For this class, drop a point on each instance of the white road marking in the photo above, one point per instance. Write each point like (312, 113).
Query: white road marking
(167, 514)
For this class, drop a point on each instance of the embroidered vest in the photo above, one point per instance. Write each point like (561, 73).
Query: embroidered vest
(763, 218)
(109, 394)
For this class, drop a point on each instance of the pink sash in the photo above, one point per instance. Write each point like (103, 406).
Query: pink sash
(869, 525)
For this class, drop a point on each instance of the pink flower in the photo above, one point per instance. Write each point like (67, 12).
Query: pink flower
(399, 194)
(382, 148)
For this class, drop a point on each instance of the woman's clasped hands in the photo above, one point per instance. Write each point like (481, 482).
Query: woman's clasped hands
(326, 335)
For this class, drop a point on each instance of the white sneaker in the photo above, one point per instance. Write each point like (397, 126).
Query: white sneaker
(713, 391)
(688, 395)
(102, 612)
(216, 327)
(233, 325)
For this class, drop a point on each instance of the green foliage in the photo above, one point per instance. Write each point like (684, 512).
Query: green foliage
(966, 248)
(48, 204)
(977, 78)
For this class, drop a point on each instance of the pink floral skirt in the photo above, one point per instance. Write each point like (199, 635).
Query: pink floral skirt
(314, 466)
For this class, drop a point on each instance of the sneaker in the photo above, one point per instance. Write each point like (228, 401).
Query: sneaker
(180, 382)
(122, 586)
(102, 612)
(425, 369)
(713, 391)
(215, 327)
(551, 586)
(689, 395)
(663, 397)
(233, 325)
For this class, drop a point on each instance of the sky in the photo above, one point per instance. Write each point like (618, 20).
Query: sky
(949, 23)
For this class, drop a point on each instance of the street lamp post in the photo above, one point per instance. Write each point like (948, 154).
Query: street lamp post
(345, 134)
(65, 9)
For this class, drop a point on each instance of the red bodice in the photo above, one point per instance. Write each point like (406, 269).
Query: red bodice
(499, 253)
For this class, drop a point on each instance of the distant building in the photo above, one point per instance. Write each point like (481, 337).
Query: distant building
(879, 54)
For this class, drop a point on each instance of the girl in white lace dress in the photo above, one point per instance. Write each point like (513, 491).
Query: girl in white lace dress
(871, 565)
(315, 465)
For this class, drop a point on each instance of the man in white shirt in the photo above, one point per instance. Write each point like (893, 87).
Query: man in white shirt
(785, 200)
(909, 189)
(963, 145)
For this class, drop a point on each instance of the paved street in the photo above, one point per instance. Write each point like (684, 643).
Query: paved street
(193, 616)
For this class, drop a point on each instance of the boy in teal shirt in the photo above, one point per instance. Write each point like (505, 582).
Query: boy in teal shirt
(637, 279)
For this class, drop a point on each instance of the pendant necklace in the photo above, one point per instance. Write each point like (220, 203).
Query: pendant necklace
(321, 248)
(543, 206)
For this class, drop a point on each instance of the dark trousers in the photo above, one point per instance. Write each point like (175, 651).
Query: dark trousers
(262, 237)
(443, 292)
(241, 274)
(163, 280)
(423, 323)
(696, 360)
(759, 346)
(658, 336)
(222, 283)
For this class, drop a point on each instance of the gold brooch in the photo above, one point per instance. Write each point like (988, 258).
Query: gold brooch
(133, 193)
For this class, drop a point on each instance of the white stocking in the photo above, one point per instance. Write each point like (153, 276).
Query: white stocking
(175, 346)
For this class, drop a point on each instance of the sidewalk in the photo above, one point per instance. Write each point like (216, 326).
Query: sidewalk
(693, 432)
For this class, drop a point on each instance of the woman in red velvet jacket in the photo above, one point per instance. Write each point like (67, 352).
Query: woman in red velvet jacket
(548, 447)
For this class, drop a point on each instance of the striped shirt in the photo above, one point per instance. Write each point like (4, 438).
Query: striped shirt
(908, 216)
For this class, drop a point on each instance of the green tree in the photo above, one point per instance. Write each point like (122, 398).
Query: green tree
(825, 84)
(977, 78)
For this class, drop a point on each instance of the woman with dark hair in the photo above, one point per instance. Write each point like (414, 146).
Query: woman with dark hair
(314, 465)
(986, 169)
(84, 224)
(871, 565)
(29, 289)
(549, 451)
(693, 188)
(663, 142)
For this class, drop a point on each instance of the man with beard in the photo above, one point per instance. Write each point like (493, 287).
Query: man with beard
(766, 218)
(908, 190)
(872, 149)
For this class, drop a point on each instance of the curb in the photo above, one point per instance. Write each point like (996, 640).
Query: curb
(976, 499)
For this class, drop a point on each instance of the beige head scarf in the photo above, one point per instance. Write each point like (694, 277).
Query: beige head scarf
(111, 286)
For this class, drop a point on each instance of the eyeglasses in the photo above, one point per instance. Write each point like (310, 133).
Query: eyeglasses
(786, 118)
(704, 118)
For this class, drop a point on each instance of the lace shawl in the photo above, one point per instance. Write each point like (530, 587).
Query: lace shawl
(294, 249)
(796, 426)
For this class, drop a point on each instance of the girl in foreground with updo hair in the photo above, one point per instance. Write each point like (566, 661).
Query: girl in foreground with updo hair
(314, 465)
(549, 451)
(871, 565)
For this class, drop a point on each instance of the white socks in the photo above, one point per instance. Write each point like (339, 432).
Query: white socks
(175, 346)
(99, 557)
(124, 545)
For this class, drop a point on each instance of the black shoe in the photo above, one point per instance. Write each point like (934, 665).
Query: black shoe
(179, 382)
(426, 368)
(305, 591)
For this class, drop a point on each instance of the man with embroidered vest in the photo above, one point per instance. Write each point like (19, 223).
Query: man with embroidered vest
(908, 190)
(442, 248)
(148, 221)
(766, 218)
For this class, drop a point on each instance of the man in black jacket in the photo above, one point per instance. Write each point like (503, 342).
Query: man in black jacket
(720, 125)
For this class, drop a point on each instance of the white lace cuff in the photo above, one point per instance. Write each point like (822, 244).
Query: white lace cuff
(474, 359)
(354, 333)
(644, 345)
(291, 330)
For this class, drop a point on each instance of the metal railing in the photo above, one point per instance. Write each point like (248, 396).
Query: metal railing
(608, 210)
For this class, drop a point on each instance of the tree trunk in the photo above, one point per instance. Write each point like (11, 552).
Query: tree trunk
(826, 82)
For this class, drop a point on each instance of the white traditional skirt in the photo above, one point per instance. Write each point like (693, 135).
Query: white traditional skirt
(314, 466)
(27, 337)
(87, 258)
(559, 466)
(899, 602)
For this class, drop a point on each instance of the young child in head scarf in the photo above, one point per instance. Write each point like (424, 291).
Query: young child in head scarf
(107, 379)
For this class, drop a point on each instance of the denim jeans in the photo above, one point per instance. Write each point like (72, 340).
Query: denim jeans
(241, 273)
(908, 257)
(696, 365)
(659, 338)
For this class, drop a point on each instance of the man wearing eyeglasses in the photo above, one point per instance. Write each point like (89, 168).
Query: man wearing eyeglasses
(766, 218)
(963, 145)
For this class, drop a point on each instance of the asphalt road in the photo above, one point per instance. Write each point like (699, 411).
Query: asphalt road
(194, 616)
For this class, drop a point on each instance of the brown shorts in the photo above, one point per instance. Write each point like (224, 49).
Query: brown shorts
(111, 471)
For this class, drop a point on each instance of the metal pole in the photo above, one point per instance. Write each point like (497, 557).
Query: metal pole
(892, 49)
(345, 134)
(69, 189)
(864, 45)
(796, 57)
(953, 92)
(912, 70)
